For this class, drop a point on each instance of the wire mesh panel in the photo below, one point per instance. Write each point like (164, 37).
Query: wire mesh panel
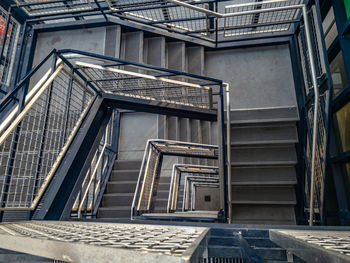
(8, 43)
(32, 146)
(145, 86)
(261, 17)
(165, 14)
(48, 7)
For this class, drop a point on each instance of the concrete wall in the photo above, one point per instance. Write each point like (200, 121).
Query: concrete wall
(103, 41)
(213, 204)
(259, 77)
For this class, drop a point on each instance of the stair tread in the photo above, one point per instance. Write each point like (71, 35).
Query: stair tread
(126, 170)
(122, 182)
(115, 208)
(286, 182)
(118, 194)
(257, 163)
(265, 202)
(263, 142)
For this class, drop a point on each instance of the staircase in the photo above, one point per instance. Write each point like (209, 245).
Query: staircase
(262, 147)
(263, 158)
(225, 247)
(120, 190)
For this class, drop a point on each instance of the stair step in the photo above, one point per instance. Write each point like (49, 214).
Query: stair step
(127, 164)
(165, 180)
(121, 187)
(264, 115)
(263, 155)
(124, 175)
(119, 199)
(160, 205)
(263, 195)
(224, 252)
(263, 175)
(114, 212)
(260, 242)
(271, 253)
(263, 214)
(163, 194)
(264, 134)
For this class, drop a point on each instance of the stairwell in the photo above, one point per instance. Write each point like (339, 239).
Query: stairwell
(263, 160)
(262, 147)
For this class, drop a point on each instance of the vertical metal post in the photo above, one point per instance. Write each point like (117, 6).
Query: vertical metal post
(316, 102)
(329, 100)
(228, 145)
(222, 153)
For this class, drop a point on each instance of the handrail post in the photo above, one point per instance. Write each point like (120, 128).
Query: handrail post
(228, 145)
(316, 102)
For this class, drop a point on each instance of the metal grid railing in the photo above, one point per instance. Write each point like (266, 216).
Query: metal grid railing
(9, 35)
(32, 145)
(49, 7)
(147, 86)
(38, 126)
(253, 18)
(315, 144)
(151, 166)
(200, 19)
(96, 177)
(176, 180)
(165, 14)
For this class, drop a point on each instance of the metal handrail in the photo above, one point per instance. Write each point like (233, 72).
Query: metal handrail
(44, 86)
(149, 172)
(175, 182)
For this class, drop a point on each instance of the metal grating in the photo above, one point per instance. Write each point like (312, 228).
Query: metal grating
(49, 7)
(163, 13)
(321, 245)
(146, 86)
(80, 241)
(267, 17)
(32, 146)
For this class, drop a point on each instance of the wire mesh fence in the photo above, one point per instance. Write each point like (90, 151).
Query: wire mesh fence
(33, 144)
(261, 17)
(147, 86)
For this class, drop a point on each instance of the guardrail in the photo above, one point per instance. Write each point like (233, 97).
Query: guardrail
(94, 184)
(147, 183)
(175, 183)
(40, 121)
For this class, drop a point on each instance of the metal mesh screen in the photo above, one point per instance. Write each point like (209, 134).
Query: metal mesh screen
(9, 40)
(47, 7)
(29, 153)
(267, 20)
(163, 13)
(127, 83)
